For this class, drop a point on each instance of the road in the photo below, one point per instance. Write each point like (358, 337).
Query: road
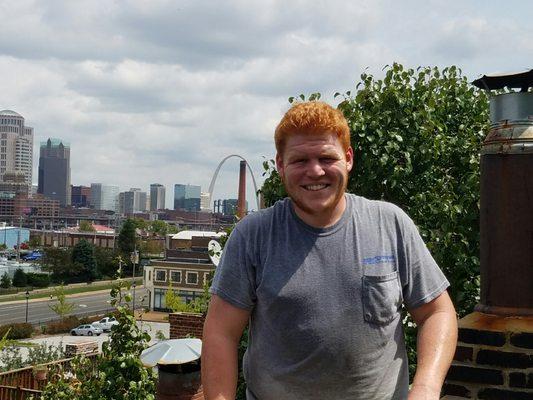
(40, 312)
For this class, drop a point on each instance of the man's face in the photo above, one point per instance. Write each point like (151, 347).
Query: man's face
(314, 169)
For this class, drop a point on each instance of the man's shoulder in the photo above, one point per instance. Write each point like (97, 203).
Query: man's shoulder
(372, 207)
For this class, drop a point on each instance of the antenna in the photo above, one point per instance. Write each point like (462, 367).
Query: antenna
(215, 251)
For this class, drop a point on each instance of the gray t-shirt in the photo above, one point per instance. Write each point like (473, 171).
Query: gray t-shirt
(325, 303)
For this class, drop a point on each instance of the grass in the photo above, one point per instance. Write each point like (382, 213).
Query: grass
(68, 291)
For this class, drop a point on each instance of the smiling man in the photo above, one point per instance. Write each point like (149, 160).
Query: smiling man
(321, 278)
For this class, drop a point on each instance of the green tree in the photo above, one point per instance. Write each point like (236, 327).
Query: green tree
(62, 307)
(159, 227)
(86, 226)
(5, 281)
(127, 238)
(19, 278)
(83, 255)
(106, 261)
(34, 242)
(59, 263)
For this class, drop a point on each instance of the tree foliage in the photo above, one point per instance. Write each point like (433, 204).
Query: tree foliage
(62, 307)
(86, 226)
(127, 238)
(5, 281)
(83, 255)
(19, 278)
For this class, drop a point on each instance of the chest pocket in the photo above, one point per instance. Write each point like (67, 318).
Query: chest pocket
(382, 298)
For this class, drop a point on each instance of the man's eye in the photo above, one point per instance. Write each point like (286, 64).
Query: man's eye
(327, 159)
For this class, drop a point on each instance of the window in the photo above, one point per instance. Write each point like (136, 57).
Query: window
(175, 276)
(159, 298)
(192, 278)
(160, 275)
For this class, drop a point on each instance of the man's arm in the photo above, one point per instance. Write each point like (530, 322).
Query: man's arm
(223, 328)
(436, 341)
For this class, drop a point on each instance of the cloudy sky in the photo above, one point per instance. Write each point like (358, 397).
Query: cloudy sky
(162, 91)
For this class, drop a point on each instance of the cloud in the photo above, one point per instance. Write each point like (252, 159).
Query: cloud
(161, 91)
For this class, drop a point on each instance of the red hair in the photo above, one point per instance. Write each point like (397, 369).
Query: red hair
(312, 118)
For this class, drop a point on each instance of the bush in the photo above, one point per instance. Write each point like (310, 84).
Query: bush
(5, 281)
(19, 278)
(17, 331)
(38, 280)
(62, 326)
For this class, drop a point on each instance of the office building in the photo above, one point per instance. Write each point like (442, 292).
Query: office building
(15, 183)
(157, 197)
(204, 202)
(187, 197)
(54, 171)
(16, 146)
(132, 201)
(104, 197)
(80, 196)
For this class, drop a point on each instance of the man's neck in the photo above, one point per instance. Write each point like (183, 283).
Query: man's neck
(324, 219)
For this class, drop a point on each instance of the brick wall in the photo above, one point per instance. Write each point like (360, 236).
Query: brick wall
(493, 359)
(184, 325)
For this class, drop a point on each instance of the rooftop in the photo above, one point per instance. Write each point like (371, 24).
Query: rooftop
(190, 234)
(9, 113)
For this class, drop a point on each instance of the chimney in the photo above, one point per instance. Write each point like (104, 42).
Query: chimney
(494, 355)
(241, 202)
(178, 368)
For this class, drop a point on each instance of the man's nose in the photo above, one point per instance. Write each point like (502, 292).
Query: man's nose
(315, 168)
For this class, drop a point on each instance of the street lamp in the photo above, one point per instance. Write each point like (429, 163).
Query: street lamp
(27, 298)
(133, 298)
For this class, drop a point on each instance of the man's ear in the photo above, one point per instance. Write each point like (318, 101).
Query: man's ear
(279, 163)
(349, 159)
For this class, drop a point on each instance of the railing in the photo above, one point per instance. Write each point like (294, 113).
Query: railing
(21, 384)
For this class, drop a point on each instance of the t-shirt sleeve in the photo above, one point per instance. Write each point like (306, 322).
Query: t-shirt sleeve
(234, 279)
(422, 279)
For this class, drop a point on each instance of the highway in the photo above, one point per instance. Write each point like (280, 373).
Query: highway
(40, 312)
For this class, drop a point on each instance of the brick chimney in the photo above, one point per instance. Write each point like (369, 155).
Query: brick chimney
(494, 355)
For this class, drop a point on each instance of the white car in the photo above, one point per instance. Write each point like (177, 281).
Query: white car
(106, 324)
(88, 330)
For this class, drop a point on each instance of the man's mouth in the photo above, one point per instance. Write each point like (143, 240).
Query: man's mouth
(314, 188)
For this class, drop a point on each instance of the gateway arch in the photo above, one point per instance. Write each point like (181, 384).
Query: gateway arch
(215, 175)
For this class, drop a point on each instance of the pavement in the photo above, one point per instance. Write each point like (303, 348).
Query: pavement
(152, 328)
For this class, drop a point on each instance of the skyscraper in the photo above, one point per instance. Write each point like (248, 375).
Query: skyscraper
(157, 197)
(187, 197)
(54, 171)
(16, 146)
(104, 197)
(132, 201)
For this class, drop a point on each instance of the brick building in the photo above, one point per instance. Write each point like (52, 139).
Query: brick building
(186, 268)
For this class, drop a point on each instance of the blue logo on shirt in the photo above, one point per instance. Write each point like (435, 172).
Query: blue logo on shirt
(379, 260)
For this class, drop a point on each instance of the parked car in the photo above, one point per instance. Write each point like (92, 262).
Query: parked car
(106, 323)
(88, 330)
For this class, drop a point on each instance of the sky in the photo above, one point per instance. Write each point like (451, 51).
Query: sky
(162, 91)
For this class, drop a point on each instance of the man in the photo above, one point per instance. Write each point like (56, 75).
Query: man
(321, 277)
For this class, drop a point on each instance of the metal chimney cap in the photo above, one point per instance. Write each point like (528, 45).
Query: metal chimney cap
(175, 351)
(522, 80)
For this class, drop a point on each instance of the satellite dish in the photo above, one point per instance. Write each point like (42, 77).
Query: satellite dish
(175, 351)
(215, 251)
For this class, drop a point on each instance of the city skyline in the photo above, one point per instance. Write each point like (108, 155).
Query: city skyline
(144, 93)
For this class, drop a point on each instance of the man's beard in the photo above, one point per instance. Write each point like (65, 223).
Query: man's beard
(341, 189)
